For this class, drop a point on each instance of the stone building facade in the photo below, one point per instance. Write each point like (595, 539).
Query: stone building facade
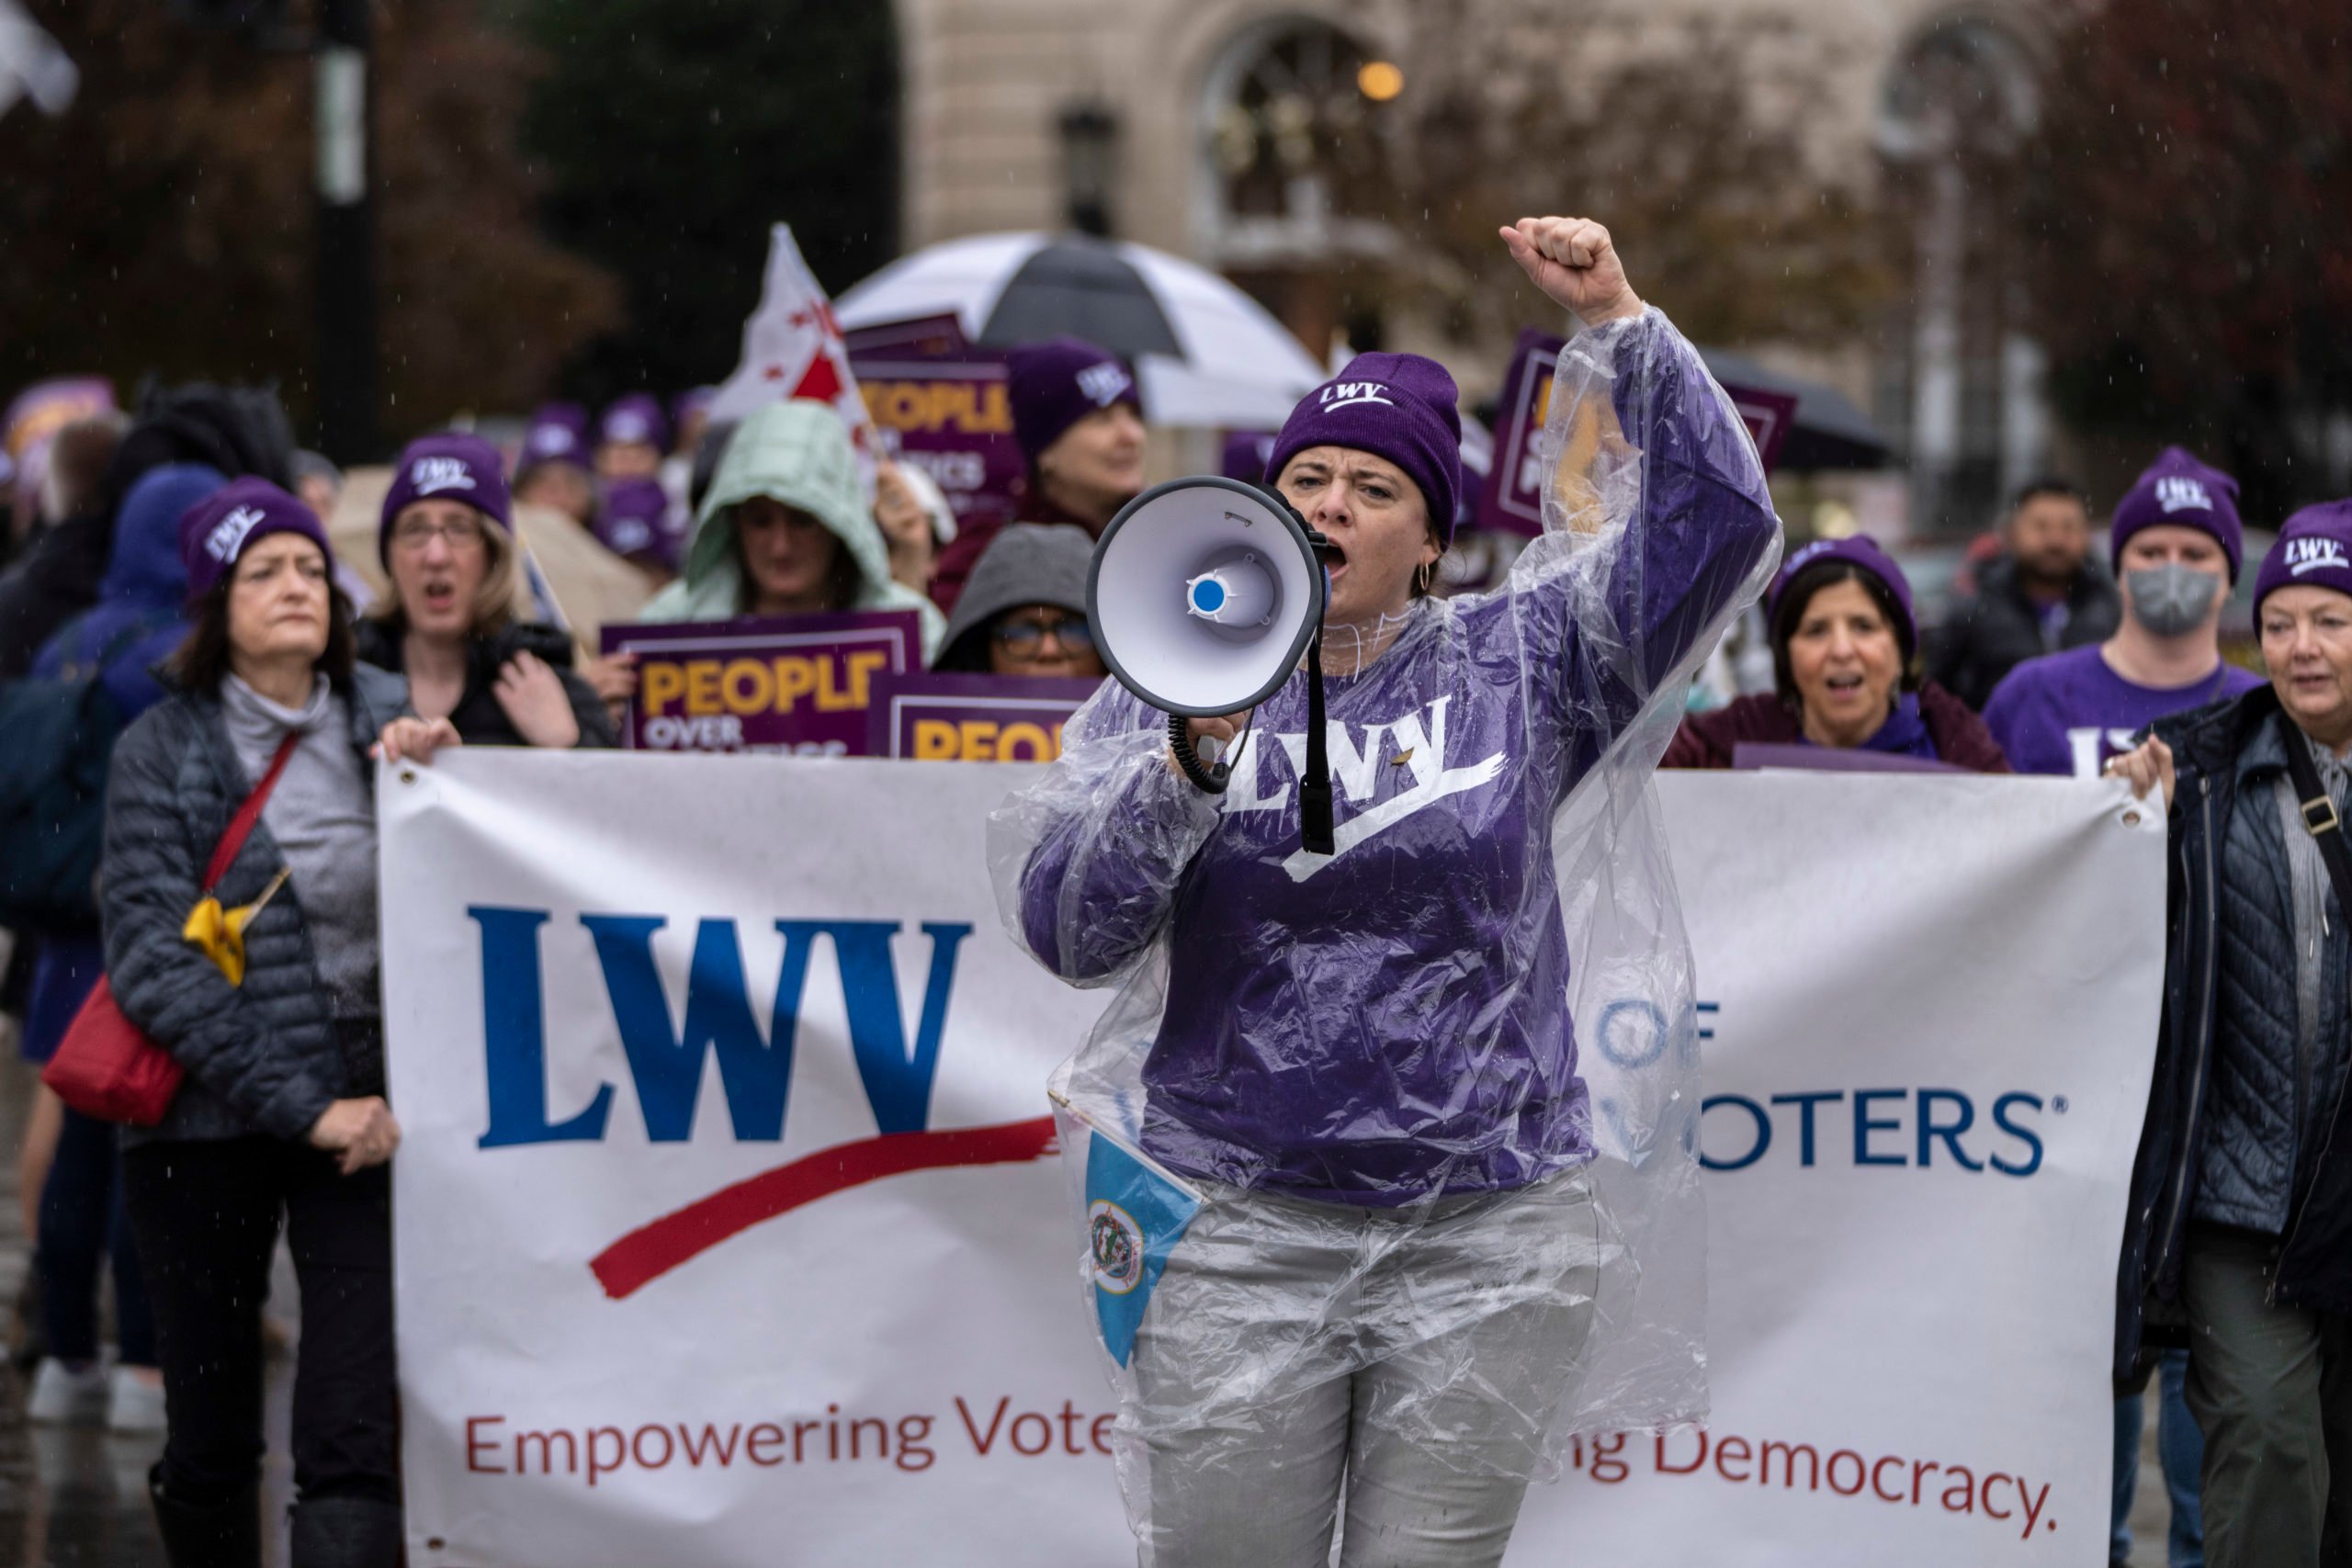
(1198, 127)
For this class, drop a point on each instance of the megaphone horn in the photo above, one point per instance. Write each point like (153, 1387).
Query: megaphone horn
(1204, 595)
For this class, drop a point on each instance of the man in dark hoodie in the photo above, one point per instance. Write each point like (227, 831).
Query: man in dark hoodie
(1024, 611)
(2044, 594)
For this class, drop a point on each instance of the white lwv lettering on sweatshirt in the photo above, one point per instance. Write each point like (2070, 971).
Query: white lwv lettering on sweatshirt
(1355, 773)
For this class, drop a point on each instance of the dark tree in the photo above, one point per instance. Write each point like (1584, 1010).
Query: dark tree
(163, 225)
(1688, 137)
(673, 135)
(2191, 220)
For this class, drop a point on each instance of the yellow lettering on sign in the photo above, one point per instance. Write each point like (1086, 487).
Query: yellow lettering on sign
(968, 408)
(934, 740)
(1024, 742)
(863, 667)
(796, 677)
(978, 737)
(702, 686)
(663, 684)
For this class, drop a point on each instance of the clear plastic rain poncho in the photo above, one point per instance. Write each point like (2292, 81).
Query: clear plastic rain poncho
(1437, 1094)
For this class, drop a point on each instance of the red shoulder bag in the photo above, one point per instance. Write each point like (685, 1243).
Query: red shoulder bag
(105, 1067)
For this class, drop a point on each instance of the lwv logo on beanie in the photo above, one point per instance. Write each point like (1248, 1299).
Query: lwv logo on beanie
(230, 532)
(1340, 394)
(2177, 493)
(430, 475)
(2316, 555)
(1103, 383)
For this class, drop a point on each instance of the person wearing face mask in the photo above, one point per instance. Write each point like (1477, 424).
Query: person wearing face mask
(1366, 1059)
(1843, 641)
(1023, 611)
(1079, 422)
(2176, 543)
(2042, 594)
(783, 530)
(2239, 1226)
(449, 624)
(2176, 540)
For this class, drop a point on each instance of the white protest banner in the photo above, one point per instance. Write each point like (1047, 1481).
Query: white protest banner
(727, 1230)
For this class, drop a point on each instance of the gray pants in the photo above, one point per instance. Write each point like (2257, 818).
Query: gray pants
(1408, 1361)
(2271, 1386)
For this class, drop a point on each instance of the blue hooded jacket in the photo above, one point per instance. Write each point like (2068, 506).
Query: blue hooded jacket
(143, 597)
(145, 589)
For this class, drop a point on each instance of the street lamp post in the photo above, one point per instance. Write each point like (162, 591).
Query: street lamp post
(347, 359)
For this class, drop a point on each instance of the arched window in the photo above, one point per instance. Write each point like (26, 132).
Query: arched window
(1296, 171)
(1964, 384)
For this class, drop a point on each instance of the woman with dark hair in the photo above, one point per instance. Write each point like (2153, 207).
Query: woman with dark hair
(1845, 651)
(1079, 422)
(282, 1111)
(784, 531)
(449, 623)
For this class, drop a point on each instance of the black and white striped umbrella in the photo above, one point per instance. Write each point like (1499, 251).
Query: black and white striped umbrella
(1205, 353)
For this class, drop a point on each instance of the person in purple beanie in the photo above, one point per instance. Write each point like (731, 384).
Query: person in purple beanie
(2177, 542)
(2240, 1219)
(1371, 1067)
(1080, 420)
(449, 623)
(554, 468)
(282, 1121)
(632, 438)
(1845, 650)
(640, 525)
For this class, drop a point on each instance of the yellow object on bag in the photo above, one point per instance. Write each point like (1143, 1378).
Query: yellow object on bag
(219, 934)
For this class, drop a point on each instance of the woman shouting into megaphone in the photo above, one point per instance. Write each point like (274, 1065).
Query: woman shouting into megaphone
(1389, 1150)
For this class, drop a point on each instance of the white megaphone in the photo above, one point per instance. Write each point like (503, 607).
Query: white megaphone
(1203, 596)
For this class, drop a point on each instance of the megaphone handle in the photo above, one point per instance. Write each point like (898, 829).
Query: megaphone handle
(1211, 780)
(1315, 789)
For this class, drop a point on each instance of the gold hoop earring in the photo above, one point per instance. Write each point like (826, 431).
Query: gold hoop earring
(1425, 576)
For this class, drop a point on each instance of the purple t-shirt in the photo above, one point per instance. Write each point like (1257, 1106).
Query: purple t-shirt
(2068, 713)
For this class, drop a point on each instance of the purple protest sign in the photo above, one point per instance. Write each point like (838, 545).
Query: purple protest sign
(945, 406)
(1767, 416)
(1511, 502)
(973, 718)
(801, 685)
(1512, 499)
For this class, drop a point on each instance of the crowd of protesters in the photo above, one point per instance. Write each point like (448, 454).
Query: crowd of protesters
(171, 580)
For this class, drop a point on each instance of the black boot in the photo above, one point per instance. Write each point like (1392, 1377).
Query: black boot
(218, 1534)
(346, 1533)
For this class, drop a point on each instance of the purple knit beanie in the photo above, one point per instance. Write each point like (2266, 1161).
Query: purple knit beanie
(2179, 490)
(636, 523)
(634, 420)
(448, 467)
(218, 529)
(1398, 406)
(2314, 550)
(558, 433)
(1056, 383)
(1862, 551)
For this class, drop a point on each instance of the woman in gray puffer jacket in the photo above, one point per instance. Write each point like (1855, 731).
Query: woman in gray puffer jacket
(283, 1109)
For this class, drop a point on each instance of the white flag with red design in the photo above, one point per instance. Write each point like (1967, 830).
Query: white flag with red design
(792, 348)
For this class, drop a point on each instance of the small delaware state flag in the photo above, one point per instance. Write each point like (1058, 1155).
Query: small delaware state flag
(1136, 1214)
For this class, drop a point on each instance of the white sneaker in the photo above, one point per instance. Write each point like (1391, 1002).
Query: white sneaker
(134, 1399)
(61, 1394)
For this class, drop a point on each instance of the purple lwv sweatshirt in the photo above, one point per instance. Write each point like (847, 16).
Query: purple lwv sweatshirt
(1393, 1020)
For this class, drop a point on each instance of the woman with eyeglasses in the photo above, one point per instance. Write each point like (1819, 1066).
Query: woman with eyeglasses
(1023, 611)
(449, 624)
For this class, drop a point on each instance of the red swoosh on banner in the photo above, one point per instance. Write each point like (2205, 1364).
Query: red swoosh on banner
(654, 1249)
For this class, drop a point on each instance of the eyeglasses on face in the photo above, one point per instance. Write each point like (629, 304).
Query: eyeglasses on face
(1024, 635)
(414, 534)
